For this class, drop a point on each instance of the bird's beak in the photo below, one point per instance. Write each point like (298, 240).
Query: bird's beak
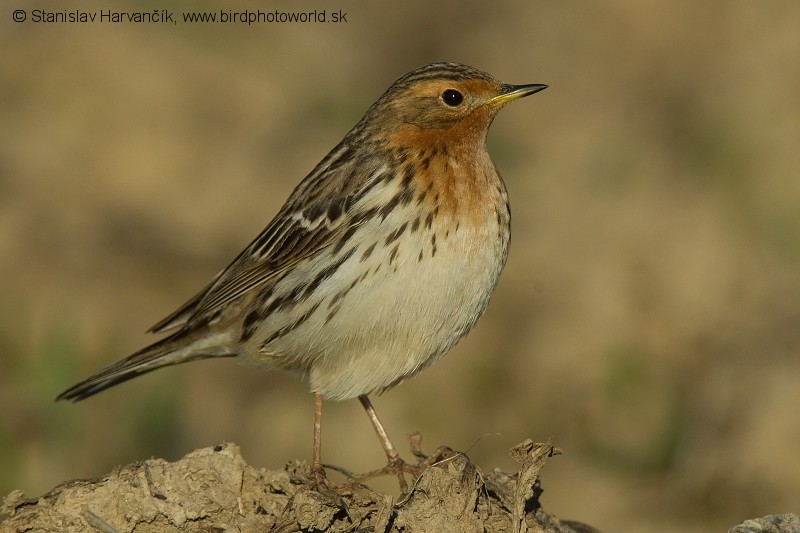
(512, 92)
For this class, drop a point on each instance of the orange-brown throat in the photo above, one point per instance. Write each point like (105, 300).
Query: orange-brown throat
(453, 173)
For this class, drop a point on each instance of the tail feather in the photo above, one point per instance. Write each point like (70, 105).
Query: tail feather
(172, 350)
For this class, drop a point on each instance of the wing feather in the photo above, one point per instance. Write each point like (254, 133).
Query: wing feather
(317, 214)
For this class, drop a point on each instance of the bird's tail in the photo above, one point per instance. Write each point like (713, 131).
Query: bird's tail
(171, 350)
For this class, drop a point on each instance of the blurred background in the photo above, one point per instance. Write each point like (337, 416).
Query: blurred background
(648, 319)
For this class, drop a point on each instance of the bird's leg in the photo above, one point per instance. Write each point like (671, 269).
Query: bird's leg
(319, 480)
(388, 447)
(396, 463)
(317, 470)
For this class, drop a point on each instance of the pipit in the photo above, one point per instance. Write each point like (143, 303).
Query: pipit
(382, 258)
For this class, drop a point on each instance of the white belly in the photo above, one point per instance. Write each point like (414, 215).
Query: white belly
(379, 320)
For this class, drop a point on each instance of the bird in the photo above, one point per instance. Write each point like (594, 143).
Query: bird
(382, 258)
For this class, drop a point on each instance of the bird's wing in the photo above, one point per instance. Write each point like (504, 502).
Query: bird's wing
(319, 213)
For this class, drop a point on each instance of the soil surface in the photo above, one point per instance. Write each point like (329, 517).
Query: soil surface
(215, 490)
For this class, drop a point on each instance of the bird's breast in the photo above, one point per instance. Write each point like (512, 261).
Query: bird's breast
(408, 284)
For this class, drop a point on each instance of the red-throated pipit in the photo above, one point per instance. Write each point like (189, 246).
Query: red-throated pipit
(382, 258)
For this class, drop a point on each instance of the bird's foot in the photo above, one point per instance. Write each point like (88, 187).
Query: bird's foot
(332, 494)
(318, 478)
(442, 453)
(396, 466)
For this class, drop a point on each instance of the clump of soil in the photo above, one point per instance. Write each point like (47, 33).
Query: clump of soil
(214, 489)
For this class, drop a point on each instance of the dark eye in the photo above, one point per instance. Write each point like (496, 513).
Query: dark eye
(452, 97)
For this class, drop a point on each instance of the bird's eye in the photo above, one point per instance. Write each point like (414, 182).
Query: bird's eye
(452, 97)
